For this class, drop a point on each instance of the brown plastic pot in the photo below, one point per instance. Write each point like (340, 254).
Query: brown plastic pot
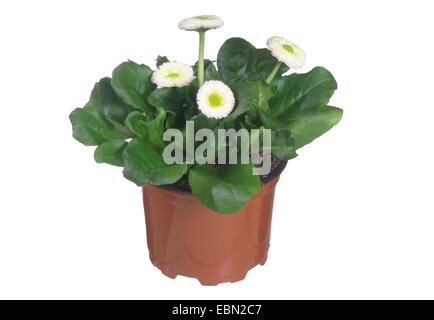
(186, 238)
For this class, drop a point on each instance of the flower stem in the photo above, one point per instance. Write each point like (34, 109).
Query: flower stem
(200, 67)
(273, 73)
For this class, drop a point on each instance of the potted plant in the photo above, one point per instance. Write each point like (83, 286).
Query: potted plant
(207, 145)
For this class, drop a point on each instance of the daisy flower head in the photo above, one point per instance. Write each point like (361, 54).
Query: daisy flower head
(173, 74)
(203, 22)
(215, 99)
(287, 52)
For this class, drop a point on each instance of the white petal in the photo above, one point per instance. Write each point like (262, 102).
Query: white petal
(222, 93)
(201, 22)
(173, 74)
(287, 52)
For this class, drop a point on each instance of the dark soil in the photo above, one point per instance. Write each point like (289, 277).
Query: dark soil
(183, 182)
(274, 163)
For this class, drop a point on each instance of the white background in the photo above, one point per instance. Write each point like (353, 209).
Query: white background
(354, 213)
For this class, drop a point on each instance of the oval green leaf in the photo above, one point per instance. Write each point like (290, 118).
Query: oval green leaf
(300, 94)
(132, 83)
(104, 97)
(142, 165)
(110, 152)
(305, 130)
(91, 128)
(238, 59)
(226, 188)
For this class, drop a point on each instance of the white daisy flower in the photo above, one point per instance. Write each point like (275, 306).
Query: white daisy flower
(204, 22)
(173, 74)
(287, 52)
(215, 99)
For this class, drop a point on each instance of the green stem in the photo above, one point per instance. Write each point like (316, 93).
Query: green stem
(200, 67)
(273, 73)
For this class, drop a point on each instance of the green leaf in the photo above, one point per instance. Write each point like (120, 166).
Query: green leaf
(300, 94)
(150, 129)
(132, 84)
(305, 130)
(104, 97)
(142, 165)
(174, 120)
(155, 129)
(190, 112)
(226, 188)
(261, 63)
(238, 60)
(210, 71)
(173, 101)
(135, 123)
(201, 121)
(91, 128)
(243, 98)
(189, 93)
(160, 60)
(269, 122)
(250, 123)
(261, 93)
(167, 98)
(233, 59)
(250, 96)
(282, 144)
(110, 152)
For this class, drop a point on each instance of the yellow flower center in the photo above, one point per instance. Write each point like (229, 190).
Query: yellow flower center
(173, 75)
(215, 100)
(288, 48)
(203, 17)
